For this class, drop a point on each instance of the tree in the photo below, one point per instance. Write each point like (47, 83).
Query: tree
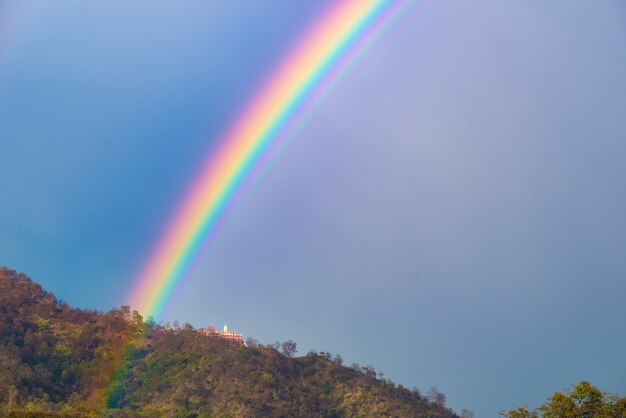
(252, 342)
(466, 413)
(137, 319)
(151, 323)
(12, 395)
(582, 401)
(435, 396)
(288, 348)
(369, 371)
(124, 311)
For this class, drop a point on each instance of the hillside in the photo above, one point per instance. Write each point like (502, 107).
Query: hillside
(62, 361)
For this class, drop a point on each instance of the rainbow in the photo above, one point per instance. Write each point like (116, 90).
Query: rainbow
(313, 58)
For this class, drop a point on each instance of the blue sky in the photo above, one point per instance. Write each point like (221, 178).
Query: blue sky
(452, 211)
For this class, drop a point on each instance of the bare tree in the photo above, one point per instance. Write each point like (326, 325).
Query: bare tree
(466, 413)
(252, 342)
(288, 348)
(338, 359)
(435, 396)
(12, 394)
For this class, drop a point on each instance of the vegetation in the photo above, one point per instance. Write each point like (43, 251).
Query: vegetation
(582, 401)
(59, 361)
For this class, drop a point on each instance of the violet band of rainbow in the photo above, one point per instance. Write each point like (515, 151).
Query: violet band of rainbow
(258, 124)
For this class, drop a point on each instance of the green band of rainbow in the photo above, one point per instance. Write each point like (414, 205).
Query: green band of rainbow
(312, 59)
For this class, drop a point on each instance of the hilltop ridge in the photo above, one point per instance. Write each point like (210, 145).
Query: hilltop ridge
(61, 361)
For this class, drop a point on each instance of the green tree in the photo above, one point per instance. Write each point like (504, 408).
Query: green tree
(582, 401)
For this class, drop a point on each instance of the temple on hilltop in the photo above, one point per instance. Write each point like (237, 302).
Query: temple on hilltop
(225, 334)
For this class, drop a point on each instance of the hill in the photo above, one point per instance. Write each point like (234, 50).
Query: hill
(60, 361)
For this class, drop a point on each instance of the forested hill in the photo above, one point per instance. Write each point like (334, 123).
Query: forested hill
(60, 361)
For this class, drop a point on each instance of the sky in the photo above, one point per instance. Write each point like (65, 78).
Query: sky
(452, 210)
